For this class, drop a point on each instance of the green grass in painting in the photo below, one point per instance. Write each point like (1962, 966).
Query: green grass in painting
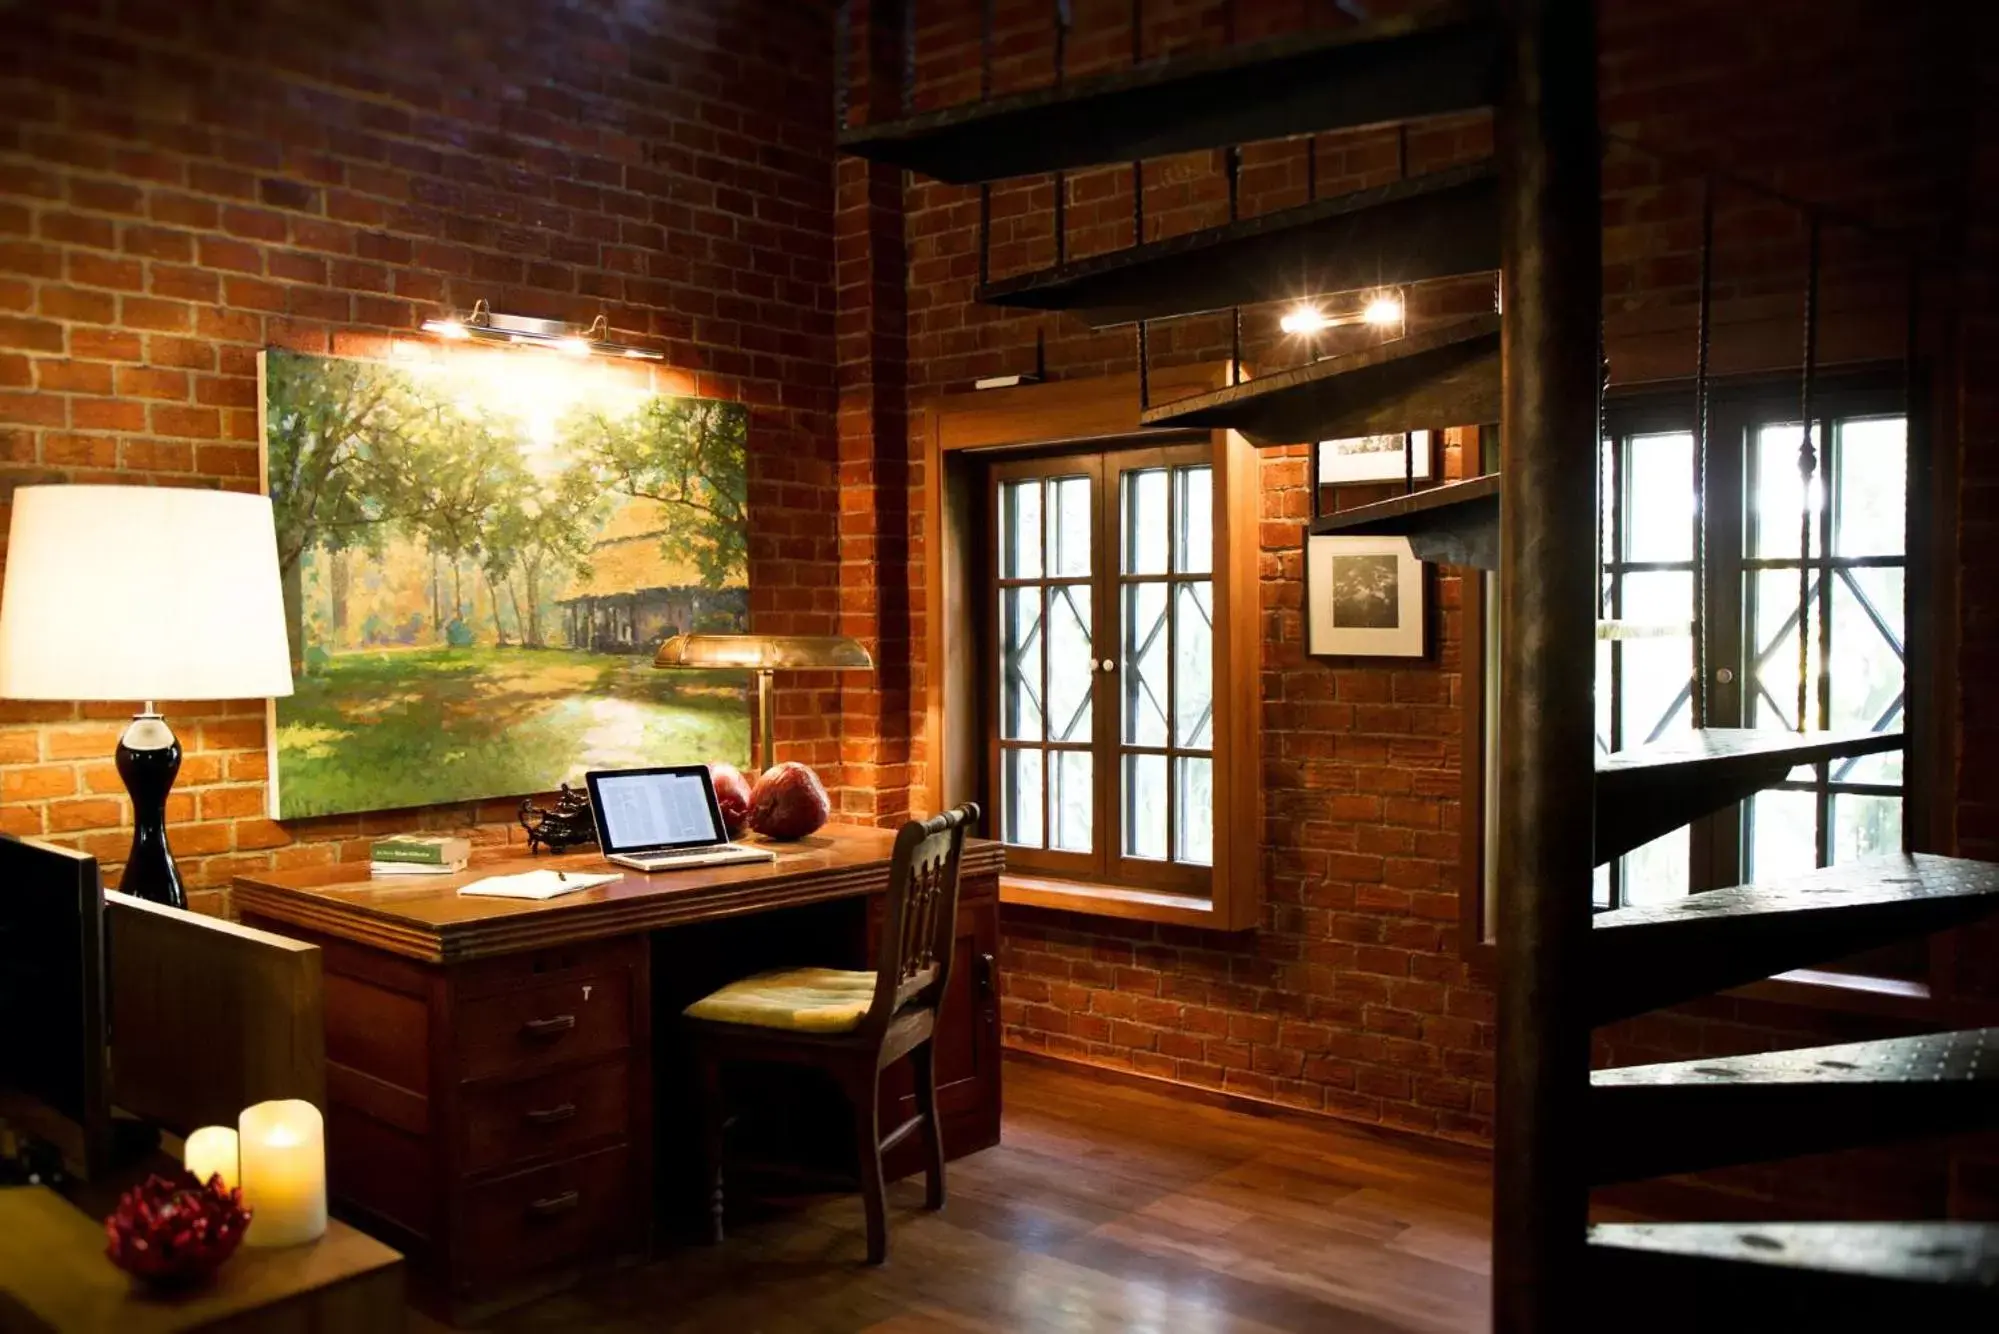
(375, 730)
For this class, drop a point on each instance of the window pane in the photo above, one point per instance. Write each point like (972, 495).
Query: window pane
(1146, 521)
(1772, 700)
(1020, 530)
(1021, 799)
(1144, 667)
(1071, 662)
(1070, 531)
(1657, 668)
(1600, 887)
(1774, 503)
(1193, 810)
(1661, 498)
(1071, 802)
(1020, 664)
(1872, 494)
(1657, 872)
(1145, 806)
(1194, 517)
(1783, 834)
(1866, 666)
(1865, 826)
(1193, 665)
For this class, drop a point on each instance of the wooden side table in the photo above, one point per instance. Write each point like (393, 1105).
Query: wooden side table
(54, 1276)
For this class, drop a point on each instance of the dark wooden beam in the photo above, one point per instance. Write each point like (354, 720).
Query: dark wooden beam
(1453, 524)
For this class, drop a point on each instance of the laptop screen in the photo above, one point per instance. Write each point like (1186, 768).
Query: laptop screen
(646, 809)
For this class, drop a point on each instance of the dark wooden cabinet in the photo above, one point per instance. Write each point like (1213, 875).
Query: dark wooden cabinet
(506, 1101)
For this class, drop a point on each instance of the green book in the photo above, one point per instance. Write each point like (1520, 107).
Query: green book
(417, 851)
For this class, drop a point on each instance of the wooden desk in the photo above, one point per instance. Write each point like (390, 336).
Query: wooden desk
(54, 1277)
(490, 1063)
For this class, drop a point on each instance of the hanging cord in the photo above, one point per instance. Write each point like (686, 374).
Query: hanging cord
(1063, 19)
(1704, 338)
(1807, 468)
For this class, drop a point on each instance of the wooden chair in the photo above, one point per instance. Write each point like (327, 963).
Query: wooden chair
(852, 1025)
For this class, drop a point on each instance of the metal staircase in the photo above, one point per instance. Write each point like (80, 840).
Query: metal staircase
(1533, 214)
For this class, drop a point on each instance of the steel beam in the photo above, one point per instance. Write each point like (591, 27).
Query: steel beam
(1550, 248)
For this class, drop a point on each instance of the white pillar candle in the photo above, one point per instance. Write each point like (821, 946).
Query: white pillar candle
(283, 1147)
(211, 1151)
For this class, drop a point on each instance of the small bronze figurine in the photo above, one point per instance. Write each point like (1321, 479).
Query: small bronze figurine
(567, 824)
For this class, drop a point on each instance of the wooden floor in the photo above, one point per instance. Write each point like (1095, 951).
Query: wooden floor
(1107, 1208)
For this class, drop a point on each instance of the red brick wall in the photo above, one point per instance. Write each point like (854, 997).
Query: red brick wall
(1351, 998)
(184, 182)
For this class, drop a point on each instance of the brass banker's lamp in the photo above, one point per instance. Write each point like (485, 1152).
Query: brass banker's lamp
(763, 654)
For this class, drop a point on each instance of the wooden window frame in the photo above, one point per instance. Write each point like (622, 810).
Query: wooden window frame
(963, 433)
(1857, 390)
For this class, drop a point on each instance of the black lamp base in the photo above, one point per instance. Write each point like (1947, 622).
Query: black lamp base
(148, 759)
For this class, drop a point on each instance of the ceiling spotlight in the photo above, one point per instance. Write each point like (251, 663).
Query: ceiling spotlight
(1385, 308)
(573, 346)
(1304, 320)
(446, 328)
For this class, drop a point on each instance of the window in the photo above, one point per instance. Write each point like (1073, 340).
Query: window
(1843, 539)
(1102, 616)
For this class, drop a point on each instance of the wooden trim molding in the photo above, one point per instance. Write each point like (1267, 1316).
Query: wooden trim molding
(957, 428)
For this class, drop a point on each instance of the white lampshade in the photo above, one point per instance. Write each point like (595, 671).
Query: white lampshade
(142, 593)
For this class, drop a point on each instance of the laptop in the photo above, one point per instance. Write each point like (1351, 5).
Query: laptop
(663, 819)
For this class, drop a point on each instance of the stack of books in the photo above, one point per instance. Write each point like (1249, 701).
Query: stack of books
(411, 854)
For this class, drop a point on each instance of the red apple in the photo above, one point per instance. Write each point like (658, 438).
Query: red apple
(788, 802)
(732, 794)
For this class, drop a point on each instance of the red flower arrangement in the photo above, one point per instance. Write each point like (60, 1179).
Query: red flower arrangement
(175, 1230)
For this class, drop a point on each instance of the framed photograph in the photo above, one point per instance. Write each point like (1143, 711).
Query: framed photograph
(1376, 458)
(1364, 597)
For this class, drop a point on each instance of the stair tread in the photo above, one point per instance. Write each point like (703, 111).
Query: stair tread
(1454, 524)
(1444, 376)
(1967, 1056)
(1651, 790)
(1651, 955)
(1395, 69)
(1692, 1116)
(1946, 1254)
(1439, 225)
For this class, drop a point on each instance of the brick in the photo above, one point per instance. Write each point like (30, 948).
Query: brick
(37, 784)
(78, 304)
(73, 377)
(84, 813)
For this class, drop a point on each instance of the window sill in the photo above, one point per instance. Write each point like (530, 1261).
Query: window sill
(1142, 905)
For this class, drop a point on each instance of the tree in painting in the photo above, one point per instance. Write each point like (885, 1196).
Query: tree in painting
(479, 557)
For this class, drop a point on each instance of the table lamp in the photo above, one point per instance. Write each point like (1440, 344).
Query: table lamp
(763, 654)
(143, 593)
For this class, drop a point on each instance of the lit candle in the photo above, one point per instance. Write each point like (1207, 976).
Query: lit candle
(283, 1147)
(211, 1151)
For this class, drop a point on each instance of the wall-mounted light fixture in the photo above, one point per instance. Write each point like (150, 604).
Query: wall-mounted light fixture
(1381, 310)
(574, 340)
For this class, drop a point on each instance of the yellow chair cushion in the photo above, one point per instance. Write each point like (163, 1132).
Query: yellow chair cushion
(801, 1000)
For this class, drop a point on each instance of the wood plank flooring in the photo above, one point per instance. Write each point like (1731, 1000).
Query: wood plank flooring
(1106, 1208)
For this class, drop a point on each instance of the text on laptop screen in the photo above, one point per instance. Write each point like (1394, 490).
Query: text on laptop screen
(655, 810)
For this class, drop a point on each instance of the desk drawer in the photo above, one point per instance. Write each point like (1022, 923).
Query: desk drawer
(551, 1215)
(547, 1116)
(516, 1032)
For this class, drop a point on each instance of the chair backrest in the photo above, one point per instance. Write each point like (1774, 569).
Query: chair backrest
(920, 925)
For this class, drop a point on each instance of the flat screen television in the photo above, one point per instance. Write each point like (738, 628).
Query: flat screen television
(54, 1044)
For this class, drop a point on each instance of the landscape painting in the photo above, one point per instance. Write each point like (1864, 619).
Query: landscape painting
(481, 553)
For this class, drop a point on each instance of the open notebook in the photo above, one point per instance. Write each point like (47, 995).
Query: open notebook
(534, 884)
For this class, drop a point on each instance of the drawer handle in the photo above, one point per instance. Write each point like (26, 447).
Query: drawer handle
(553, 1026)
(550, 1116)
(555, 1204)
